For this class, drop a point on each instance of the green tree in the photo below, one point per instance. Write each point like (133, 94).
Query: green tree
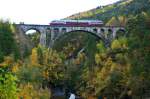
(8, 85)
(7, 42)
(139, 33)
(1, 56)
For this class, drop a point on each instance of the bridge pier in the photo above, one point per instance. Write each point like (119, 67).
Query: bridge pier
(43, 38)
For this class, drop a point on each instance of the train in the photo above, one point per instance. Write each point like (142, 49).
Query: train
(76, 23)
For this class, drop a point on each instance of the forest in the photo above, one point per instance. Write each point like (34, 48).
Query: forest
(80, 62)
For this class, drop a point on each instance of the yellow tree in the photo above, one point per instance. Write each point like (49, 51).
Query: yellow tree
(122, 20)
(34, 57)
(112, 22)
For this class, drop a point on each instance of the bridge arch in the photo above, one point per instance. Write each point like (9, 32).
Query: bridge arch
(120, 32)
(109, 33)
(99, 36)
(33, 35)
(102, 30)
(32, 29)
(63, 30)
(95, 30)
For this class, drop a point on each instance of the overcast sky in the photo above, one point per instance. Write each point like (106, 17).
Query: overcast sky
(44, 11)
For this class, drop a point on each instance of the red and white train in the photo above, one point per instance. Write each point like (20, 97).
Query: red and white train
(76, 23)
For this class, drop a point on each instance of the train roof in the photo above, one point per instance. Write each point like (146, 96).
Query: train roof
(99, 21)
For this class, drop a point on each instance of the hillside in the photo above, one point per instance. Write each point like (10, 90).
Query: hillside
(121, 8)
(79, 62)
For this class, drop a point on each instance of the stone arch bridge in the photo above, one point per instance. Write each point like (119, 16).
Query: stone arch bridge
(106, 33)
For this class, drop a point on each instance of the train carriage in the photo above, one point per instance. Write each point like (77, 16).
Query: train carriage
(76, 23)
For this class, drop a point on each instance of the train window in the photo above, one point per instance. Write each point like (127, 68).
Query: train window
(120, 33)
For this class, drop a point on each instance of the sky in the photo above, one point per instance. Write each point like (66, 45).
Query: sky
(44, 11)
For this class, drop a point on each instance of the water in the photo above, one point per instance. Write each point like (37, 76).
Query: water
(58, 93)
